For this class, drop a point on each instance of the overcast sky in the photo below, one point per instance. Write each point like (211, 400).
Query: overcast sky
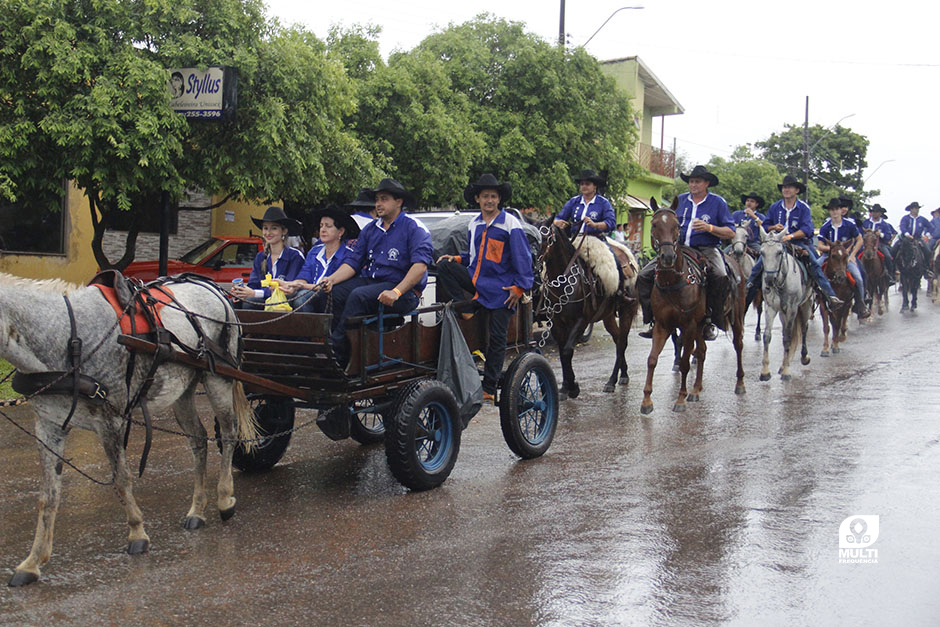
(741, 69)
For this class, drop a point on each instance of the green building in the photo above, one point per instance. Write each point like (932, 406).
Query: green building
(650, 99)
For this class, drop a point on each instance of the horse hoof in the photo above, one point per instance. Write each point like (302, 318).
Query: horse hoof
(739, 389)
(804, 360)
(137, 547)
(22, 578)
(609, 388)
(625, 379)
(692, 398)
(574, 392)
(678, 408)
(765, 376)
(563, 395)
(676, 368)
(194, 522)
(225, 514)
(646, 409)
(835, 350)
(824, 354)
(786, 377)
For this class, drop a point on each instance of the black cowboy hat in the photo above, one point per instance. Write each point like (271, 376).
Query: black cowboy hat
(913, 205)
(792, 182)
(396, 189)
(846, 202)
(487, 181)
(276, 214)
(700, 172)
(590, 175)
(834, 203)
(878, 208)
(362, 201)
(753, 196)
(934, 212)
(341, 219)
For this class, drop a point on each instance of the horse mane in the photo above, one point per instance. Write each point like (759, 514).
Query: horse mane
(57, 286)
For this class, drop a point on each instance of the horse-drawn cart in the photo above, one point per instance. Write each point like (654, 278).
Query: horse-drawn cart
(387, 393)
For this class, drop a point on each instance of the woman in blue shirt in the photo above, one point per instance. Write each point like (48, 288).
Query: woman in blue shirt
(277, 259)
(336, 227)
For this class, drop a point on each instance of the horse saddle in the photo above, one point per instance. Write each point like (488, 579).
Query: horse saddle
(697, 263)
(138, 307)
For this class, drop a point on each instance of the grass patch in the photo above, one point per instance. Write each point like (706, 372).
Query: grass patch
(6, 390)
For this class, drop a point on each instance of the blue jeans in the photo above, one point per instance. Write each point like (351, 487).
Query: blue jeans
(358, 296)
(815, 269)
(309, 301)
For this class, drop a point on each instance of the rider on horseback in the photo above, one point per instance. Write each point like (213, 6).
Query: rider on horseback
(840, 229)
(934, 229)
(792, 215)
(595, 212)
(752, 202)
(704, 220)
(915, 227)
(886, 233)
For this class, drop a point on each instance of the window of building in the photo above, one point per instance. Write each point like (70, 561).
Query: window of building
(36, 224)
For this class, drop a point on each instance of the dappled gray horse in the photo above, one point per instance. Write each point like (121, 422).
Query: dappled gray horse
(35, 333)
(788, 292)
(746, 263)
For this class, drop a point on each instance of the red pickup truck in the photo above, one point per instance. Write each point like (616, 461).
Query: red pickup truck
(219, 258)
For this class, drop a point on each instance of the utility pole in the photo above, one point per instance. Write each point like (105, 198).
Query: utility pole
(561, 25)
(806, 153)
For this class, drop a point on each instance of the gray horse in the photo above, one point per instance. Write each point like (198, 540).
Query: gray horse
(34, 337)
(738, 251)
(786, 290)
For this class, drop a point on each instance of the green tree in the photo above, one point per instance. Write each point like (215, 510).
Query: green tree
(545, 113)
(83, 96)
(836, 158)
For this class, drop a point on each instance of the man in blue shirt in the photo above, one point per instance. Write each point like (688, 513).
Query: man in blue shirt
(497, 270)
(704, 220)
(915, 227)
(792, 215)
(886, 233)
(934, 229)
(752, 204)
(388, 266)
(840, 229)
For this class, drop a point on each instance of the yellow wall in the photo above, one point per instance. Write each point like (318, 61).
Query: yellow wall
(77, 265)
(242, 224)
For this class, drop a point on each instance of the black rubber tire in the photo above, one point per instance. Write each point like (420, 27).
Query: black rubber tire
(586, 336)
(273, 415)
(415, 467)
(529, 427)
(368, 428)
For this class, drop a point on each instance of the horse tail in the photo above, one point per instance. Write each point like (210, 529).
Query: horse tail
(246, 426)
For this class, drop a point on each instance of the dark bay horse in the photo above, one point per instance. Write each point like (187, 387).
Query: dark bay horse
(678, 302)
(575, 298)
(836, 268)
(876, 277)
(911, 265)
(742, 256)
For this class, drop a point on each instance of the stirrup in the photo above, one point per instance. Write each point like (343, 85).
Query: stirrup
(709, 331)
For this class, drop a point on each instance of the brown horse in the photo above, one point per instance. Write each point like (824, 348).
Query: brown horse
(575, 297)
(678, 302)
(836, 269)
(876, 277)
(935, 265)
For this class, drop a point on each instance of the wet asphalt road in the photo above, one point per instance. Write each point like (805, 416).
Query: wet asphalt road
(727, 513)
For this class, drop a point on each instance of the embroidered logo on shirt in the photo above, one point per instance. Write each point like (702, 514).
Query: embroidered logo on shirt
(593, 215)
(706, 218)
(393, 254)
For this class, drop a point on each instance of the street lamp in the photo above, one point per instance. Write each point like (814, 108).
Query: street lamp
(876, 169)
(607, 20)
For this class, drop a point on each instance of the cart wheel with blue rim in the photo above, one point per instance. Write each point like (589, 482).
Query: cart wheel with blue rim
(528, 405)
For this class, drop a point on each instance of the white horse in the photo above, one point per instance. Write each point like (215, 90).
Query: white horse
(787, 291)
(35, 331)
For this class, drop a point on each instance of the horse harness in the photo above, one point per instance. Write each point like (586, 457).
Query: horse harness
(137, 307)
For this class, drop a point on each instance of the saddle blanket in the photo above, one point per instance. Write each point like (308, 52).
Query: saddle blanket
(603, 262)
(141, 323)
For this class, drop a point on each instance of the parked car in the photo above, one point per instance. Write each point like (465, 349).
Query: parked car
(219, 258)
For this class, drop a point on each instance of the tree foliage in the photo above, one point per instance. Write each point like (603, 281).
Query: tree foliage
(83, 96)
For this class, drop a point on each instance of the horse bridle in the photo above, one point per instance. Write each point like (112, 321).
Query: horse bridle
(776, 282)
